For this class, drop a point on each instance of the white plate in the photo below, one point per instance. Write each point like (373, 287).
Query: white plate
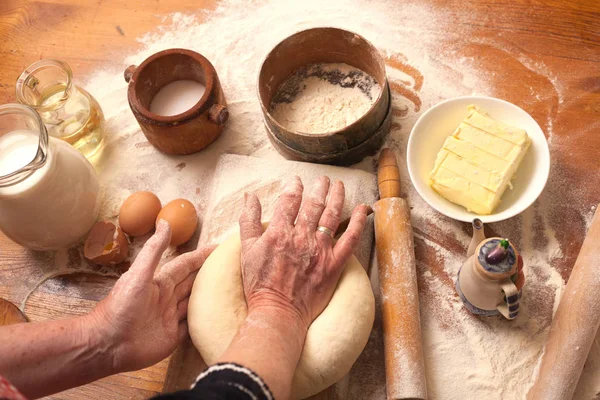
(436, 124)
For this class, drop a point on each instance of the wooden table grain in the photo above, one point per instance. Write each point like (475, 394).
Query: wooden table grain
(562, 35)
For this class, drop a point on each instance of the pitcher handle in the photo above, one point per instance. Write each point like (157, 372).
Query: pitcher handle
(509, 308)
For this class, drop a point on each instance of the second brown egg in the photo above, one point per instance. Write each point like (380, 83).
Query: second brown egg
(183, 218)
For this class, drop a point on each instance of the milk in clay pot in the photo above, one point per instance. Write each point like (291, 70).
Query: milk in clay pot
(49, 192)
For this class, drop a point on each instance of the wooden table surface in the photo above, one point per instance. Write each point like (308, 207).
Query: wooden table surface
(563, 35)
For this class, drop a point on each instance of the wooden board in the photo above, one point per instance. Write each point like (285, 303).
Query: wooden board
(561, 35)
(186, 363)
(184, 366)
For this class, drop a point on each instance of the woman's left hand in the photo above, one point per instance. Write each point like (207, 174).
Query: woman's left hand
(143, 319)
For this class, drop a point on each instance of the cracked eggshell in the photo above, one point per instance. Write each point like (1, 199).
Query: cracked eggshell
(106, 244)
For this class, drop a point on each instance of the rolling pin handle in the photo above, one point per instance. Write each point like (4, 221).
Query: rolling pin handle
(129, 72)
(388, 174)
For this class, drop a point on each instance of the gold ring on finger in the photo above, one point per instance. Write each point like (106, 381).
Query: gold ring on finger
(326, 231)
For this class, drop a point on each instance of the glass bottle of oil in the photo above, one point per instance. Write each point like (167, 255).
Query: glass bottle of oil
(68, 111)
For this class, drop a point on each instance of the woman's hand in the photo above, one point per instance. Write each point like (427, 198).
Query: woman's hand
(140, 322)
(293, 267)
(289, 274)
(143, 319)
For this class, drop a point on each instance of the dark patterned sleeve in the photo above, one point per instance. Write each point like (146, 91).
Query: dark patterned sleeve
(225, 381)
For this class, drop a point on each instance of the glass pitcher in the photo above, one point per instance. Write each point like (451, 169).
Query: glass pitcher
(69, 112)
(49, 192)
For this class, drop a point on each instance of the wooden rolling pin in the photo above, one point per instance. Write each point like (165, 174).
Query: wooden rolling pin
(403, 347)
(574, 325)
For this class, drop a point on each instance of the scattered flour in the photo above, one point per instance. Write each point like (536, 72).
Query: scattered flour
(324, 98)
(466, 356)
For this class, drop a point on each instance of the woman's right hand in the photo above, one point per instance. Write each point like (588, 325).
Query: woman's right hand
(292, 267)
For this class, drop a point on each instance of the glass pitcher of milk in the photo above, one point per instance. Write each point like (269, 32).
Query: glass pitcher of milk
(49, 192)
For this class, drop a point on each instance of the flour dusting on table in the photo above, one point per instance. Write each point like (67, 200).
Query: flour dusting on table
(466, 356)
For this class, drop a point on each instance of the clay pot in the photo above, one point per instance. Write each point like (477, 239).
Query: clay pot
(192, 130)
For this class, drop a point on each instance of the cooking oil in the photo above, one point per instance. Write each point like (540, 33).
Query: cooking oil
(79, 122)
(68, 111)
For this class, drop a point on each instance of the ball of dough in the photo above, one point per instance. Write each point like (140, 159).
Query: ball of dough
(217, 309)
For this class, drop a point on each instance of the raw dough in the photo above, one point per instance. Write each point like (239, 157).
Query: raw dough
(334, 341)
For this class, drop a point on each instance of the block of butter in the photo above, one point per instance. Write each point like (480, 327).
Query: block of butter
(478, 162)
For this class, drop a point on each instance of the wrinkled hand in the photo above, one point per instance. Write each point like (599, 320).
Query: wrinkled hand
(143, 319)
(292, 266)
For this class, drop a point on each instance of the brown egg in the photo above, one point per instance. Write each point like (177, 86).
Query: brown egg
(106, 244)
(138, 213)
(182, 216)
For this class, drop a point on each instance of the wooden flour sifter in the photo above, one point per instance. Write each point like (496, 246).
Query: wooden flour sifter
(403, 348)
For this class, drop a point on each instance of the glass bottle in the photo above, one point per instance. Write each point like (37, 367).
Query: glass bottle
(49, 192)
(68, 111)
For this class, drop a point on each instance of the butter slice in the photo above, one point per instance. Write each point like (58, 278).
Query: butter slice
(478, 162)
(479, 119)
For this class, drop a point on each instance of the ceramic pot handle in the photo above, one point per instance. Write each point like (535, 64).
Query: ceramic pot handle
(510, 308)
(128, 74)
(218, 114)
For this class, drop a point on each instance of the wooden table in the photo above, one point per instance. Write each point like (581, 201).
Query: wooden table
(563, 35)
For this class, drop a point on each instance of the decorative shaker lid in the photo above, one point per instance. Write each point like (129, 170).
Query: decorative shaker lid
(497, 258)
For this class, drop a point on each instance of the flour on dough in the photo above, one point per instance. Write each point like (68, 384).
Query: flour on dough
(334, 340)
